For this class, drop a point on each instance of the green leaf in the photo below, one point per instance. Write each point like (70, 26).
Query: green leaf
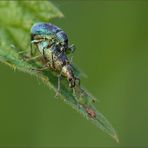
(16, 19)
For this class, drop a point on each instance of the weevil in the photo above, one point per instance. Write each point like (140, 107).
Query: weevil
(52, 43)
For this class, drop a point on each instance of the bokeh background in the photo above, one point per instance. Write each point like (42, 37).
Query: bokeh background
(112, 49)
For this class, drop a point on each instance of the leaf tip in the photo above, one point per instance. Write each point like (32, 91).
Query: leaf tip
(115, 137)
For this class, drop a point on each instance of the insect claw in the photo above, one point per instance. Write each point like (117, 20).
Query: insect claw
(56, 95)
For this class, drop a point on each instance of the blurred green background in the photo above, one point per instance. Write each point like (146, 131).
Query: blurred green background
(112, 49)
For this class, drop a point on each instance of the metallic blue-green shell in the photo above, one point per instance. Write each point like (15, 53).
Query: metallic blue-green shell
(49, 29)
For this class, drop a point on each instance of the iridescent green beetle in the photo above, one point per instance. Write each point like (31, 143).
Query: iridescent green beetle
(52, 43)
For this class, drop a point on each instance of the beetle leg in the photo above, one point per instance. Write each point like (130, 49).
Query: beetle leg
(28, 59)
(42, 68)
(44, 54)
(31, 49)
(32, 52)
(21, 52)
(52, 61)
(71, 59)
(59, 84)
(78, 80)
(76, 98)
(72, 50)
(74, 93)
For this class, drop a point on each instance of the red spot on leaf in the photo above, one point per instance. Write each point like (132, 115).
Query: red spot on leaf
(90, 112)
